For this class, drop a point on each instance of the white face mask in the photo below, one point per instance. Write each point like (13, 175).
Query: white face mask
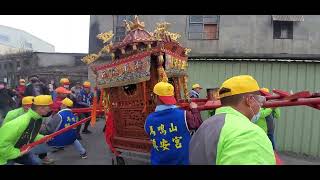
(255, 117)
(66, 86)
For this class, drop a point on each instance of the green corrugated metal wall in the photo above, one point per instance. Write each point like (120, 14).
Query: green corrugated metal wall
(298, 129)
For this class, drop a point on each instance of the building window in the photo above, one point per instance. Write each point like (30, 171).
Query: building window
(120, 28)
(26, 62)
(28, 45)
(4, 38)
(203, 27)
(18, 64)
(282, 30)
(10, 66)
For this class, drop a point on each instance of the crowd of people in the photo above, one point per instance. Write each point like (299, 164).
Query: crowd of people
(36, 109)
(241, 131)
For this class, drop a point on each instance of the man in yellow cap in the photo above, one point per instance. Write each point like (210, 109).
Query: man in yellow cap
(62, 119)
(84, 99)
(267, 119)
(195, 92)
(26, 105)
(24, 130)
(230, 137)
(169, 128)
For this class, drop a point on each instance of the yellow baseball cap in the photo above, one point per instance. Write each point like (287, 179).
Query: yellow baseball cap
(43, 100)
(68, 102)
(165, 91)
(86, 84)
(28, 100)
(265, 90)
(196, 86)
(64, 81)
(239, 85)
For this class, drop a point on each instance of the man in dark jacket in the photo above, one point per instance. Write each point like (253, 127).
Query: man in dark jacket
(84, 100)
(36, 87)
(6, 101)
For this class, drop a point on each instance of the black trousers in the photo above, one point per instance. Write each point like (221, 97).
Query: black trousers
(86, 125)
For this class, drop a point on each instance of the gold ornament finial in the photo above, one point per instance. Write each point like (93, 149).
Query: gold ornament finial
(127, 25)
(107, 48)
(90, 58)
(135, 24)
(105, 37)
(162, 30)
(187, 51)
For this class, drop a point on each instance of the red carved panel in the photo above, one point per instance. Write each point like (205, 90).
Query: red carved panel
(129, 118)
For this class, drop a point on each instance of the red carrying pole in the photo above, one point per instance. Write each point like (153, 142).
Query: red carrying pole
(298, 102)
(48, 137)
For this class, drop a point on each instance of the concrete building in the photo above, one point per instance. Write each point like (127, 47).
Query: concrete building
(45, 65)
(14, 41)
(226, 34)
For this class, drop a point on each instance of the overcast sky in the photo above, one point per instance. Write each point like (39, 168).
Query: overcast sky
(68, 33)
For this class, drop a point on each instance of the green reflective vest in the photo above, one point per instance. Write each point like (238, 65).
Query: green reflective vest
(13, 114)
(242, 142)
(11, 132)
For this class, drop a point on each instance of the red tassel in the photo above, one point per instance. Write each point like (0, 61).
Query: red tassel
(144, 97)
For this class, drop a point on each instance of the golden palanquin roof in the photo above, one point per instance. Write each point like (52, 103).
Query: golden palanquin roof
(131, 58)
(135, 34)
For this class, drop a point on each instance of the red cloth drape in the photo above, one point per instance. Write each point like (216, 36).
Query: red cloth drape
(109, 132)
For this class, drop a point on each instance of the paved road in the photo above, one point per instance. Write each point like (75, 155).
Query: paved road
(99, 154)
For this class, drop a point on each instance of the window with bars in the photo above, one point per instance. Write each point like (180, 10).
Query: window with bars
(120, 30)
(10, 66)
(26, 63)
(282, 30)
(203, 27)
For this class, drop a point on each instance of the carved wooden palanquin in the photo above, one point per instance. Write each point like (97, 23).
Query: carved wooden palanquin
(129, 79)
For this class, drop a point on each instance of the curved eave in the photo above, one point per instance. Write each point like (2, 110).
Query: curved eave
(123, 44)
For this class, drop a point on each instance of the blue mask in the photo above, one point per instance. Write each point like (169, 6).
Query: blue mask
(255, 118)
